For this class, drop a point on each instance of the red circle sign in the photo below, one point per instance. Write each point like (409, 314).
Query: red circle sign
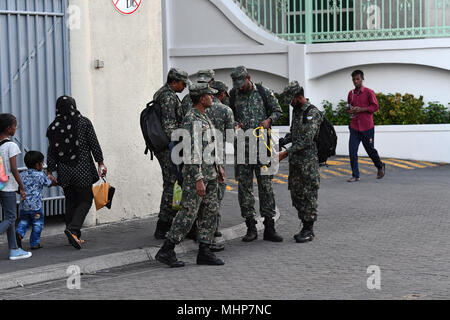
(127, 6)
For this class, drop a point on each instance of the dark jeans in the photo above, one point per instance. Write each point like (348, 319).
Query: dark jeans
(78, 203)
(367, 139)
(8, 202)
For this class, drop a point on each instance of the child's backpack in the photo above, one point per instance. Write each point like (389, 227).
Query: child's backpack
(3, 175)
(154, 136)
(327, 140)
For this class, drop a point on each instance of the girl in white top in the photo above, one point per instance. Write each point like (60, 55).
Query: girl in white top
(9, 152)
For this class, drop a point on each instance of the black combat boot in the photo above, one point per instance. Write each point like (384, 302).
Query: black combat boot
(167, 255)
(306, 234)
(217, 234)
(269, 232)
(206, 257)
(193, 232)
(161, 229)
(252, 233)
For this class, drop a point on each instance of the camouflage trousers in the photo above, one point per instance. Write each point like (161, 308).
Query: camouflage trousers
(244, 175)
(166, 213)
(304, 182)
(220, 194)
(204, 209)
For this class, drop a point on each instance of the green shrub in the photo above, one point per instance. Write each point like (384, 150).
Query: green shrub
(394, 109)
(437, 113)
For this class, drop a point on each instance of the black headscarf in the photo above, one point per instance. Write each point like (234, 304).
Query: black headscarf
(62, 133)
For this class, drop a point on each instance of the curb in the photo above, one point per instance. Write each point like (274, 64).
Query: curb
(113, 260)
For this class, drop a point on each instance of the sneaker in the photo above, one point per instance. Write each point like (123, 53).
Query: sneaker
(17, 254)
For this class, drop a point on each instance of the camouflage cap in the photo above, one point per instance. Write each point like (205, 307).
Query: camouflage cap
(199, 89)
(179, 74)
(239, 74)
(219, 86)
(205, 75)
(291, 91)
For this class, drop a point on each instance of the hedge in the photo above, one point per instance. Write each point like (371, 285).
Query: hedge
(394, 109)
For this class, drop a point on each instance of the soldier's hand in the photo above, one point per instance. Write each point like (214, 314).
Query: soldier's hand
(221, 175)
(282, 155)
(266, 123)
(200, 186)
(238, 126)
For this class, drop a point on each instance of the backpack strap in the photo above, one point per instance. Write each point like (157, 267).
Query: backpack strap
(263, 94)
(233, 100)
(4, 141)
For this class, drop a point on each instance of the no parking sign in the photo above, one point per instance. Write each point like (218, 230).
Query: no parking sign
(127, 6)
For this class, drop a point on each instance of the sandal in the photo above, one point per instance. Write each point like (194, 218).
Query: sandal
(353, 179)
(73, 239)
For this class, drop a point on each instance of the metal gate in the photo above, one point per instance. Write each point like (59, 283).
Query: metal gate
(34, 72)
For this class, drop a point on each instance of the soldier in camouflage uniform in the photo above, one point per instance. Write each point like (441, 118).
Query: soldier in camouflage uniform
(203, 76)
(171, 119)
(200, 183)
(223, 119)
(250, 112)
(304, 176)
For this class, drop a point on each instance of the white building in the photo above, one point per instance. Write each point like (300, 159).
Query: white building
(112, 63)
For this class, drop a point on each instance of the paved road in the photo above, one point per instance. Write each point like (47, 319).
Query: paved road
(400, 223)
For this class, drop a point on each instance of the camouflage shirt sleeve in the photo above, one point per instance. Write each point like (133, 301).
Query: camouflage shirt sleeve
(274, 106)
(308, 132)
(194, 170)
(170, 105)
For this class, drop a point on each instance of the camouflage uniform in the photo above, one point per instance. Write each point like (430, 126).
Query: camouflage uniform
(250, 112)
(171, 119)
(304, 176)
(205, 209)
(203, 76)
(222, 118)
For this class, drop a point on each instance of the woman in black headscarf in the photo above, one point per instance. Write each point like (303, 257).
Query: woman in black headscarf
(71, 144)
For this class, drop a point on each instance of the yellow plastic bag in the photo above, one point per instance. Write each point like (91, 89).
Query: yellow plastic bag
(177, 195)
(100, 191)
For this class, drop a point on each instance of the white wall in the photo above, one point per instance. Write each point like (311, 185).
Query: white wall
(414, 142)
(113, 97)
(431, 83)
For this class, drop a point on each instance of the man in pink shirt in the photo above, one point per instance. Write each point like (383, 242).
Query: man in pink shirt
(362, 105)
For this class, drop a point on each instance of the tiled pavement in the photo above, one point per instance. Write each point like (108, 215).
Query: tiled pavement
(399, 223)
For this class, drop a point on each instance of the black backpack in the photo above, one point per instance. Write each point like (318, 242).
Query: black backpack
(155, 138)
(327, 139)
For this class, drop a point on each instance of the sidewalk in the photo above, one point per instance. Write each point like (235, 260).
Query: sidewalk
(106, 246)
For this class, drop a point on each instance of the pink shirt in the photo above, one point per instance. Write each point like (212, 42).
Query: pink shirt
(364, 98)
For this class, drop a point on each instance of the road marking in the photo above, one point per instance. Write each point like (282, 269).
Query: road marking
(278, 181)
(397, 165)
(361, 160)
(323, 176)
(233, 181)
(410, 163)
(230, 188)
(345, 170)
(428, 163)
(335, 163)
(283, 175)
(366, 171)
(333, 172)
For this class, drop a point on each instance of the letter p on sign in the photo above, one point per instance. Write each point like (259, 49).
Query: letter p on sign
(374, 281)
